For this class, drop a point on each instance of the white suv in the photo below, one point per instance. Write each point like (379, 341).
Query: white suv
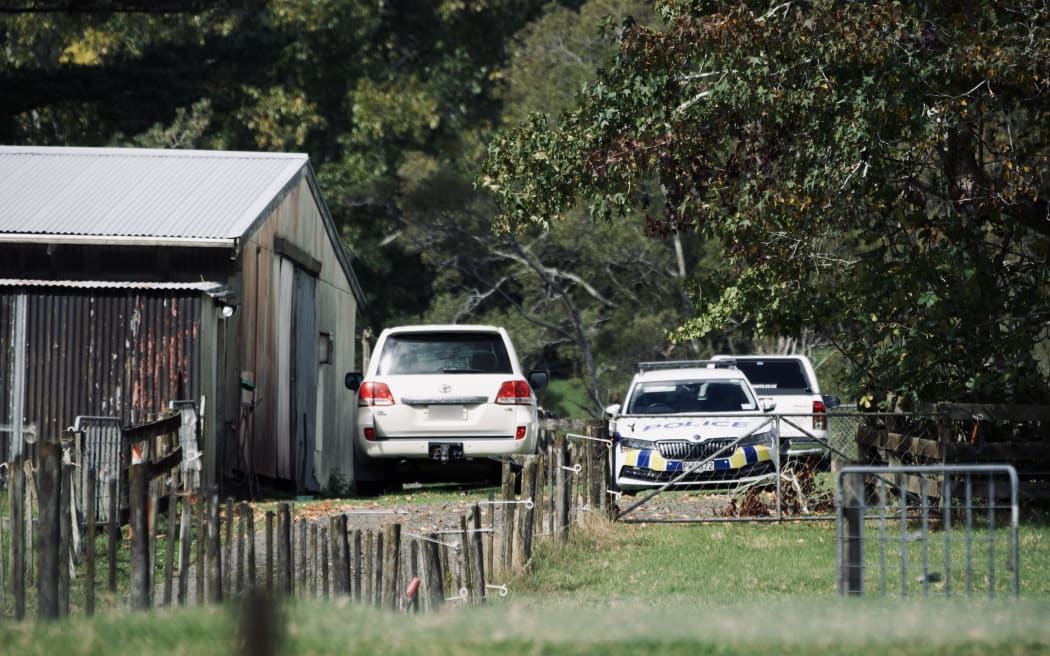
(441, 395)
(693, 423)
(791, 382)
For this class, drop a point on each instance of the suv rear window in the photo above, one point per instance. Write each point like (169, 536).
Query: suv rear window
(775, 376)
(441, 352)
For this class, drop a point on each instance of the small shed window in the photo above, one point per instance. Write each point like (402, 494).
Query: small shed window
(325, 348)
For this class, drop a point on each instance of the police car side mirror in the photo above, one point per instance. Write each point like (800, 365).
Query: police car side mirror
(613, 409)
(768, 405)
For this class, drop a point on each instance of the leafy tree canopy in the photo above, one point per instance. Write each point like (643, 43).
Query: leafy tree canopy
(875, 172)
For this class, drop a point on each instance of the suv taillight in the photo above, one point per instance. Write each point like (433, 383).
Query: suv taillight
(514, 392)
(821, 422)
(374, 394)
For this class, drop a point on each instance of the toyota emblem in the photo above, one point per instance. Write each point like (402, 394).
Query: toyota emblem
(445, 389)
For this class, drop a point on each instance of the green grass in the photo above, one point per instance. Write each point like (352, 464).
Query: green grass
(621, 589)
(857, 627)
(567, 399)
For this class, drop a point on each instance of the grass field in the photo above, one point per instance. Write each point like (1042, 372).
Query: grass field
(620, 589)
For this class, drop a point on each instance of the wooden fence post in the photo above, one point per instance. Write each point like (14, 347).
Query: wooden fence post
(413, 572)
(354, 563)
(152, 507)
(391, 563)
(598, 465)
(32, 497)
(242, 548)
(507, 495)
(314, 558)
(269, 551)
(434, 576)
(523, 541)
(215, 551)
(202, 542)
(552, 483)
(853, 513)
(539, 500)
(92, 529)
(561, 492)
(324, 563)
(114, 534)
(169, 548)
(467, 559)
(367, 564)
(377, 570)
(138, 502)
(16, 497)
(250, 521)
(65, 536)
(490, 537)
(479, 555)
(301, 579)
(49, 480)
(284, 548)
(185, 525)
(339, 573)
(346, 564)
(228, 548)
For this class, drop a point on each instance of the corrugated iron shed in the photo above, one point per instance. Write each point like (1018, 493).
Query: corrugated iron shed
(132, 279)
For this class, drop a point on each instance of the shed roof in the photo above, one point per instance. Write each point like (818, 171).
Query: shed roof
(140, 196)
(131, 192)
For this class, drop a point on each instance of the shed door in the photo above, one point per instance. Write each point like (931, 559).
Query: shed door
(297, 391)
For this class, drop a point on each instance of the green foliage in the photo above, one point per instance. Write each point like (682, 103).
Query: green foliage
(339, 485)
(187, 130)
(875, 173)
(566, 398)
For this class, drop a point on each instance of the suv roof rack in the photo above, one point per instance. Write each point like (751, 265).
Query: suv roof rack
(687, 364)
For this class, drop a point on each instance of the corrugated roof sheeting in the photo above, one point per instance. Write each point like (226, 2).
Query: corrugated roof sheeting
(139, 192)
(120, 353)
(211, 288)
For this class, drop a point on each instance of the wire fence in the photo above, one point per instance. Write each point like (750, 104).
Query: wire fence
(803, 484)
(172, 545)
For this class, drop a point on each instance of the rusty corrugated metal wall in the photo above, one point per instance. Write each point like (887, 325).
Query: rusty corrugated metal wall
(123, 353)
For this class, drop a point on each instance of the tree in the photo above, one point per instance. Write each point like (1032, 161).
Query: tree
(587, 300)
(876, 172)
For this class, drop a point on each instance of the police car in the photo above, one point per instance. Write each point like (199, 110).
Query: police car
(693, 423)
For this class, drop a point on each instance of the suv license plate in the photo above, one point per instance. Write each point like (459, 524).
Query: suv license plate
(445, 412)
(445, 450)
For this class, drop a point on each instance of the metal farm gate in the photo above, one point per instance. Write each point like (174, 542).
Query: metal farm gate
(805, 487)
(799, 487)
(928, 530)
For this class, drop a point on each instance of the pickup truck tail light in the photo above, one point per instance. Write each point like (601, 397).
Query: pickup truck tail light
(514, 392)
(820, 421)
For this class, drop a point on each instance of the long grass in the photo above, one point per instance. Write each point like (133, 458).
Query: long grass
(617, 589)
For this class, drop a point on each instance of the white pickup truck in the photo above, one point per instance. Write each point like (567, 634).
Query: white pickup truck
(791, 382)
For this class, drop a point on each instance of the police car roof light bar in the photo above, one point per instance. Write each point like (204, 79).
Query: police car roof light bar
(687, 364)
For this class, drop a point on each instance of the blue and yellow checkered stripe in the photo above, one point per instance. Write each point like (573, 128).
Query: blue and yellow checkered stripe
(650, 459)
